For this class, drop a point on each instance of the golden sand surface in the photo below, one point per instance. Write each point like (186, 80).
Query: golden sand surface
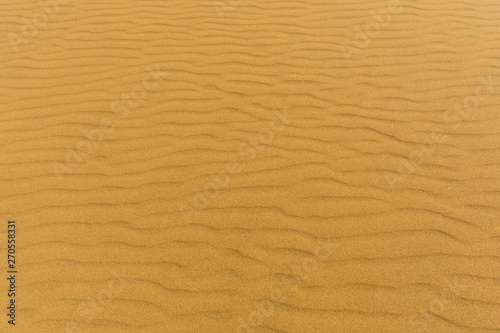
(252, 166)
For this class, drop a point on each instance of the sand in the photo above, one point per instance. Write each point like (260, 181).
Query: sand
(251, 166)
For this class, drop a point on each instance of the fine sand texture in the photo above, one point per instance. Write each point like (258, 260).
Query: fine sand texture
(257, 166)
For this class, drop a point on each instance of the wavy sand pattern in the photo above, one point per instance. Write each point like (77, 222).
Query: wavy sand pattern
(252, 166)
